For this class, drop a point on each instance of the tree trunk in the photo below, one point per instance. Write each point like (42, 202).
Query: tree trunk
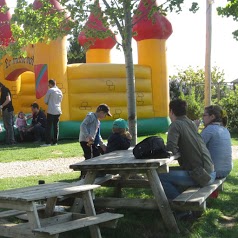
(130, 75)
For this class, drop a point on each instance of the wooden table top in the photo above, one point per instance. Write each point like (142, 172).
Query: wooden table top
(121, 159)
(43, 191)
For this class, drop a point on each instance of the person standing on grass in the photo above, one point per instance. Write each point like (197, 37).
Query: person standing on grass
(90, 137)
(53, 99)
(7, 114)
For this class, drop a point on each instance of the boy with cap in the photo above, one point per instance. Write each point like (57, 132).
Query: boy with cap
(120, 139)
(89, 137)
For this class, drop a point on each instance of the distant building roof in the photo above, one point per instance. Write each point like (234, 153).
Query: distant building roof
(234, 81)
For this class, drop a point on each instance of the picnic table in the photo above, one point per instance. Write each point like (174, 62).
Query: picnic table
(49, 224)
(125, 162)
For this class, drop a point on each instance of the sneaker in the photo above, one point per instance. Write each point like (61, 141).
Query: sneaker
(45, 145)
(54, 144)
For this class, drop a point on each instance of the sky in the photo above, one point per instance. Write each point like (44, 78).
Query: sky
(186, 45)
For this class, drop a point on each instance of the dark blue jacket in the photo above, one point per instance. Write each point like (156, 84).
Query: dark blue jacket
(117, 142)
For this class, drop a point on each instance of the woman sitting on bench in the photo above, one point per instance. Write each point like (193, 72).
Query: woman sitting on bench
(217, 139)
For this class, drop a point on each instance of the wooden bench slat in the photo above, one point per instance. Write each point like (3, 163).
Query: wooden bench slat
(10, 213)
(197, 195)
(79, 223)
(44, 193)
(125, 203)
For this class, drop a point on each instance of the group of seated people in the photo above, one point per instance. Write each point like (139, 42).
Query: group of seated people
(36, 130)
(204, 157)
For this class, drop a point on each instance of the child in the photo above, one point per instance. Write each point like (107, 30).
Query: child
(90, 138)
(120, 139)
(21, 124)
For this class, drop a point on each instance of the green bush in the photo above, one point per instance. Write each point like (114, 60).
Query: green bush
(195, 106)
(230, 104)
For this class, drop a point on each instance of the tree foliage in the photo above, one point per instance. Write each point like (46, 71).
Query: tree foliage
(230, 10)
(188, 84)
(230, 104)
(75, 52)
(193, 79)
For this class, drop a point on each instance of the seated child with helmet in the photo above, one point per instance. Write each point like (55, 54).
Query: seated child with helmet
(120, 139)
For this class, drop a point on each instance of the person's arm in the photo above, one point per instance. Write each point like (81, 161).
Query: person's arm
(47, 97)
(102, 144)
(173, 139)
(206, 134)
(8, 99)
(16, 123)
(83, 128)
(125, 143)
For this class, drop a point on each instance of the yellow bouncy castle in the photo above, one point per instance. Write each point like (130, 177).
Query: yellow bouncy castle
(85, 86)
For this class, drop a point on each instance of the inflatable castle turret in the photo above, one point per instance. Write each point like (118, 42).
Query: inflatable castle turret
(50, 61)
(98, 49)
(151, 35)
(5, 33)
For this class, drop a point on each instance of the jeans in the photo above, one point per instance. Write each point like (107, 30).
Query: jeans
(176, 181)
(52, 120)
(8, 122)
(38, 132)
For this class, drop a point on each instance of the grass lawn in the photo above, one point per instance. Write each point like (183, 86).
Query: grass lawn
(219, 221)
(30, 151)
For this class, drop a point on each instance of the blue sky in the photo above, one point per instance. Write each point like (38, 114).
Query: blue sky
(186, 46)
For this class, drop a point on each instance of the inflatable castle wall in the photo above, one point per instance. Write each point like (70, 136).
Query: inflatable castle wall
(97, 81)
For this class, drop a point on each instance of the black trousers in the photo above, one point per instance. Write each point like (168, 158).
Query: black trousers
(90, 152)
(52, 121)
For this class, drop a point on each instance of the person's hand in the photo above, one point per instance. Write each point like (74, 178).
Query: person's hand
(104, 147)
(89, 138)
(197, 122)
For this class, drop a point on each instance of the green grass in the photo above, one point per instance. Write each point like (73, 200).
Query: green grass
(234, 138)
(65, 149)
(30, 151)
(219, 221)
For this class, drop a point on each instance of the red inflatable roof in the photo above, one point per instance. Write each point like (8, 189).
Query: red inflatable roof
(96, 43)
(156, 27)
(5, 29)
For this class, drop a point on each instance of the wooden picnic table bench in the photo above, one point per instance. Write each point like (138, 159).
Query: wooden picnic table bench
(124, 162)
(48, 224)
(194, 198)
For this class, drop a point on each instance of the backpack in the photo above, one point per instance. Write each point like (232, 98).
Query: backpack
(152, 147)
